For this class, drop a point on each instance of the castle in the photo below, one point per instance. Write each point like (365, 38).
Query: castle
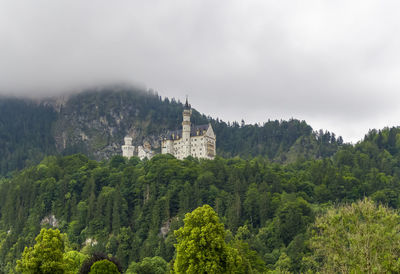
(195, 141)
(128, 150)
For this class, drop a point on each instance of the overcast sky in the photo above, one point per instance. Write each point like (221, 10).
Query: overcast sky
(335, 64)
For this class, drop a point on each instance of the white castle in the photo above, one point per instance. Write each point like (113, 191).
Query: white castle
(128, 150)
(195, 141)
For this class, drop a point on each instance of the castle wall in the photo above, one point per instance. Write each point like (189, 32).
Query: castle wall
(144, 153)
(127, 151)
(202, 145)
(167, 146)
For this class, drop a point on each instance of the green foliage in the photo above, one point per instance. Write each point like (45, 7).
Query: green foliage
(284, 264)
(92, 122)
(119, 207)
(292, 218)
(46, 256)
(201, 246)
(278, 140)
(357, 238)
(282, 141)
(104, 267)
(149, 265)
(100, 263)
(251, 260)
(73, 261)
(25, 133)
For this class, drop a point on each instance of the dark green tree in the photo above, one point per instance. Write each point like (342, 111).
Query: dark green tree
(104, 267)
(153, 265)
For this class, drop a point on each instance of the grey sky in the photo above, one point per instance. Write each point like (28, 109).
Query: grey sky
(335, 64)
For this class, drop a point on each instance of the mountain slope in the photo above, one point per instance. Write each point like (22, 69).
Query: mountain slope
(25, 133)
(130, 208)
(95, 122)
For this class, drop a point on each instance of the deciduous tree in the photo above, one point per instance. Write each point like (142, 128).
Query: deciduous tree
(149, 265)
(46, 256)
(357, 238)
(201, 246)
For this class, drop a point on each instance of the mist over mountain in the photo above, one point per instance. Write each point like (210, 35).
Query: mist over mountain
(282, 195)
(95, 121)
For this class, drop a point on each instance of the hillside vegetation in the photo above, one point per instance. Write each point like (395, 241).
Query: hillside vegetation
(129, 209)
(25, 133)
(95, 122)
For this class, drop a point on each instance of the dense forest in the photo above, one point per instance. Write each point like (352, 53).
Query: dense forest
(130, 208)
(25, 133)
(95, 122)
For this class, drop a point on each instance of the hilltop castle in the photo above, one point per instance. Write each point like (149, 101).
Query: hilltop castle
(128, 150)
(195, 141)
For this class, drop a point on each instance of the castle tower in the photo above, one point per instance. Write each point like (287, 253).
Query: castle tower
(187, 112)
(127, 148)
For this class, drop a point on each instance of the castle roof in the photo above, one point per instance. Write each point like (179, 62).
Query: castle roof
(194, 131)
(187, 105)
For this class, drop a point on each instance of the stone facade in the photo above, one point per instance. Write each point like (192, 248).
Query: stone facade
(127, 148)
(195, 141)
(145, 151)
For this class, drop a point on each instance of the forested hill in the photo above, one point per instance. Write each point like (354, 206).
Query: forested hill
(95, 122)
(130, 208)
(25, 133)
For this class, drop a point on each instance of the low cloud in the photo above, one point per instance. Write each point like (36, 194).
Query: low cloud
(335, 64)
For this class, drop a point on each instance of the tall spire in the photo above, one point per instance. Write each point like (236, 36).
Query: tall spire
(187, 105)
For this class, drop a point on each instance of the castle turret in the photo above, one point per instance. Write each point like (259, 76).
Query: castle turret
(127, 148)
(167, 146)
(187, 112)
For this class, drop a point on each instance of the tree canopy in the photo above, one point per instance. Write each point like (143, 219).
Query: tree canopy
(359, 238)
(46, 256)
(104, 267)
(201, 246)
(149, 265)
(130, 208)
(92, 122)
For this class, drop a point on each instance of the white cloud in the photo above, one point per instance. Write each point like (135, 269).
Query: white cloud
(333, 63)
